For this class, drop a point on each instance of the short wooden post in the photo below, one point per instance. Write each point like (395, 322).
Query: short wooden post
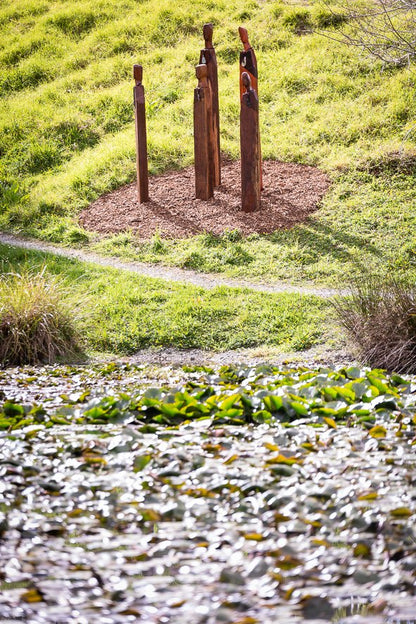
(203, 148)
(208, 57)
(141, 140)
(249, 142)
(248, 64)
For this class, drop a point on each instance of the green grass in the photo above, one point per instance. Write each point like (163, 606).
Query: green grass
(121, 312)
(67, 135)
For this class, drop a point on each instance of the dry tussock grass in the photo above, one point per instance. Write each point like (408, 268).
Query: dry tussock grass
(380, 319)
(36, 326)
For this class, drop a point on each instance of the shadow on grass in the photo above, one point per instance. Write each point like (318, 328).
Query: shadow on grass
(319, 239)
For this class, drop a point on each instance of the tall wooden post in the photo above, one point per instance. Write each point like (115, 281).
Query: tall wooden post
(208, 57)
(250, 143)
(203, 136)
(248, 64)
(141, 140)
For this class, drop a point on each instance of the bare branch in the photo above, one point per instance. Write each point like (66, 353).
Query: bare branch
(385, 30)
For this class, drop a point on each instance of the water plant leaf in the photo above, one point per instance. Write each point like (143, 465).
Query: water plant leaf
(378, 432)
(283, 459)
(140, 462)
(401, 512)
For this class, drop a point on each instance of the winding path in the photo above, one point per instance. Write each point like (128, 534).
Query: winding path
(173, 274)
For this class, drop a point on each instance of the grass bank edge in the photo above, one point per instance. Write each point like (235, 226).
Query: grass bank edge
(121, 313)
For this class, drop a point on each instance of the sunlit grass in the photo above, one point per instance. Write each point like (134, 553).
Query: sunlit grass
(121, 312)
(67, 136)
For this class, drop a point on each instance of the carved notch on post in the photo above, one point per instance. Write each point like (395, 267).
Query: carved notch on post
(208, 57)
(249, 143)
(141, 139)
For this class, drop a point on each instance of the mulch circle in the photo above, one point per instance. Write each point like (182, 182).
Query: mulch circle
(291, 193)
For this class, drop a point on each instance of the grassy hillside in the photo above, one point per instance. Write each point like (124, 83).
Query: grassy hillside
(67, 135)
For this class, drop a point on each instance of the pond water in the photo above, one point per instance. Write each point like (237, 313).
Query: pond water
(206, 521)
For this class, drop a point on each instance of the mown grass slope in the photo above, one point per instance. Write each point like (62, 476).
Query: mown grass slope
(67, 135)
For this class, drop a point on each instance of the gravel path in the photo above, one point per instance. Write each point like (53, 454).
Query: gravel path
(173, 274)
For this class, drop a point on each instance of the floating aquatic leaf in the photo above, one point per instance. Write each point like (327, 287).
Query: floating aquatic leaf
(362, 550)
(353, 372)
(382, 387)
(378, 431)
(231, 459)
(288, 562)
(368, 496)
(273, 403)
(283, 459)
(401, 512)
(140, 462)
(256, 537)
(299, 408)
(13, 409)
(32, 595)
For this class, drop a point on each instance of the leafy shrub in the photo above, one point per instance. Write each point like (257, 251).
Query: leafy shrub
(236, 255)
(380, 318)
(233, 236)
(35, 325)
(193, 260)
(157, 245)
(208, 239)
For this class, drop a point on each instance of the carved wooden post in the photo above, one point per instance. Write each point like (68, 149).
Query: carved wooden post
(248, 64)
(250, 142)
(208, 57)
(141, 140)
(203, 148)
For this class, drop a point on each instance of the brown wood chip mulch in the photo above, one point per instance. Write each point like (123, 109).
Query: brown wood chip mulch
(291, 193)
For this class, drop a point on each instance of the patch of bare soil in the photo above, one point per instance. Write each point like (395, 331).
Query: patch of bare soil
(291, 193)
